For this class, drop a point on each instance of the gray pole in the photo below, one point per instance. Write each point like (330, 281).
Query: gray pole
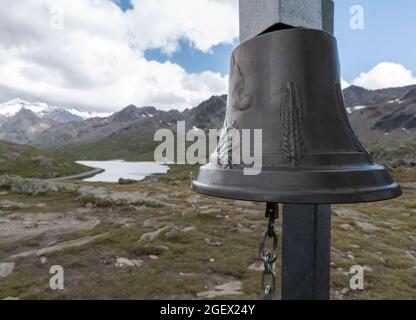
(306, 228)
(306, 252)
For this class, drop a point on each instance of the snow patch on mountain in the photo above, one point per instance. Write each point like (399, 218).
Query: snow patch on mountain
(43, 110)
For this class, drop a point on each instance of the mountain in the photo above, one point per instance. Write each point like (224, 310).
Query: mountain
(386, 116)
(94, 129)
(21, 121)
(380, 118)
(29, 162)
(129, 133)
(23, 127)
(45, 111)
(209, 114)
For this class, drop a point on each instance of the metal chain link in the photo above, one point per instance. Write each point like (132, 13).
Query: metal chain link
(269, 258)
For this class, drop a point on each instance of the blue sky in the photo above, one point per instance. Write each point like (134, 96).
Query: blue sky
(387, 36)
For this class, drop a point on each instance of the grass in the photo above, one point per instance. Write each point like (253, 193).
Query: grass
(191, 266)
(30, 162)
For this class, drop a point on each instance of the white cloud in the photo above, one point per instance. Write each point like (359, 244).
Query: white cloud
(97, 60)
(385, 75)
(344, 84)
(205, 23)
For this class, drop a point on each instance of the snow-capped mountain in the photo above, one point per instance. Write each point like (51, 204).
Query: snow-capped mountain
(22, 121)
(45, 111)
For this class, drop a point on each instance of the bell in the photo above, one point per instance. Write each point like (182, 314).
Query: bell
(287, 83)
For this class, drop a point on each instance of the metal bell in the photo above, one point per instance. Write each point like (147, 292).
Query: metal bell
(287, 83)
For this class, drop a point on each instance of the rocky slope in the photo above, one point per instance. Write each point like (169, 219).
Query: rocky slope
(383, 116)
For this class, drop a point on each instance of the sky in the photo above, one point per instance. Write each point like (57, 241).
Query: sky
(102, 55)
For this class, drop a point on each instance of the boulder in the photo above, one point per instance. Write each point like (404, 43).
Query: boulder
(126, 181)
(6, 268)
(150, 236)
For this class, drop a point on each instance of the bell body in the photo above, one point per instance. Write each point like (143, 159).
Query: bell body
(287, 83)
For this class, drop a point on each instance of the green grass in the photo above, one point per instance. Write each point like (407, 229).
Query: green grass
(29, 162)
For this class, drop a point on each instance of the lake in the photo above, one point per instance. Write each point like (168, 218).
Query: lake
(116, 169)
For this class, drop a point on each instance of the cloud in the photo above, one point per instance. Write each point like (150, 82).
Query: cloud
(385, 75)
(204, 23)
(97, 59)
(344, 84)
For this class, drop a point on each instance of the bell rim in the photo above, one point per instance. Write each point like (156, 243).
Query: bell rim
(257, 195)
(386, 190)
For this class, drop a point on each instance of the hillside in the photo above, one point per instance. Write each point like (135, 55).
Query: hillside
(385, 116)
(27, 161)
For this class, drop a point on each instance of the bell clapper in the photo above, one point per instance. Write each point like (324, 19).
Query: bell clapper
(269, 258)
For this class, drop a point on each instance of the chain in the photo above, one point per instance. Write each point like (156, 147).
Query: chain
(269, 258)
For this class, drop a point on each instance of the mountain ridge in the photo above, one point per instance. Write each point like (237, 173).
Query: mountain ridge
(385, 116)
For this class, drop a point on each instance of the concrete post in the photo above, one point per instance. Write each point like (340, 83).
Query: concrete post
(260, 15)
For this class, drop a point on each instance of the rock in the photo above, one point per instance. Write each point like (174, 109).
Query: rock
(344, 291)
(43, 260)
(346, 213)
(3, 194)
(150, 236)
(183, 274)
(354, 246)
(13, 205)
(189, 229)
(256, 266)
(176, 194)
(151, 222)
(11, 298)
(227, 289)
(212, 260)
(126, 181)
(413, 238)
(410, 255)
(124, 262)
(193, 199)
(59, 247)
(213, 243)
(6, 268)
(89, 205)
(210, 211)
(34, 186)
(172, 234)
(153, 257)
(346, 227)
(335, 253)
(29, 224)
(366, 226)
(161, 248)
(351, 257)
(368, 268)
